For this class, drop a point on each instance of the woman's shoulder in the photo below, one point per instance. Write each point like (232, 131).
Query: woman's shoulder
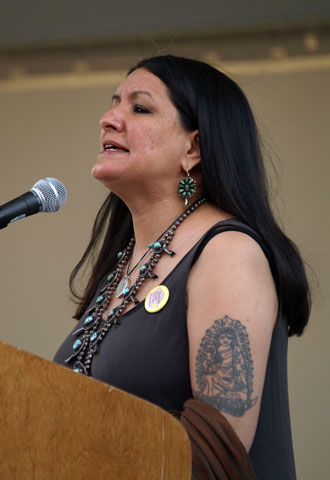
(230, 253)
(233, 241)
(232, 268)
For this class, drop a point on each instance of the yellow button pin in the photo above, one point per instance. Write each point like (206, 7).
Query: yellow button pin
(156, 299)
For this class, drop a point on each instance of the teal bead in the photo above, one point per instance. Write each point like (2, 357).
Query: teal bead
(93, 336)
(150, 245)
(77, 370)
(119, 254)
(143, 268)
(111, 312)
(99, 299)
(110, 277)
(125, 291)
(77, 344)
(88, 320)
(157, 245)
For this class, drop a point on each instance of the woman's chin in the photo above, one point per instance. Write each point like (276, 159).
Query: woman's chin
(101, 171)
(110, 178)
(96, 171)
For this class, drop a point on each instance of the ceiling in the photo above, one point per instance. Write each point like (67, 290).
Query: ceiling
(26, 24)
(42, 37)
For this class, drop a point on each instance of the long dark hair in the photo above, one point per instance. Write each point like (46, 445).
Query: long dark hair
(233, 178)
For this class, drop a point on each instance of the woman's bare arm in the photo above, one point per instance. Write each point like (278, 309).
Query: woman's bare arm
(232, 310)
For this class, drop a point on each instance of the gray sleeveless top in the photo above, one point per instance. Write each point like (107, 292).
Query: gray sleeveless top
(148, 356)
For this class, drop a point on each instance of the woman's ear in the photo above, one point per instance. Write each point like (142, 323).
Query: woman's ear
(193, 156)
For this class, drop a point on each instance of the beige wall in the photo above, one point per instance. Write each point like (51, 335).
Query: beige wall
(52, 130)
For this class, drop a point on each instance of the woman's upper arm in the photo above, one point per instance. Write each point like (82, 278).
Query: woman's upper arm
(232, 310)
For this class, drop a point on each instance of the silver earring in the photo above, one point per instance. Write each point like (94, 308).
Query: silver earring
(187, 188)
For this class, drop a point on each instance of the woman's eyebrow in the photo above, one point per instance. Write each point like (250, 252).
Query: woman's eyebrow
(133, 94)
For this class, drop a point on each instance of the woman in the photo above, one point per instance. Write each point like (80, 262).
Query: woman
(216, 329)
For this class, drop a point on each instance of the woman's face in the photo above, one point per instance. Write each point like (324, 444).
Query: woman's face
(142, 139)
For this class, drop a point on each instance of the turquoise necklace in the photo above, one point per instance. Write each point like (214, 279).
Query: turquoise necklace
(94, 329)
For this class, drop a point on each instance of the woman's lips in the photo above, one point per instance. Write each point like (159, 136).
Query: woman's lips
(110, 145)
(113, 152)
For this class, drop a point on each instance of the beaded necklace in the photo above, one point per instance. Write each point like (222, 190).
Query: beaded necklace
(94, 328)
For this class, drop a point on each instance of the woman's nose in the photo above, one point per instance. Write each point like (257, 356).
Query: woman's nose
(112, 120)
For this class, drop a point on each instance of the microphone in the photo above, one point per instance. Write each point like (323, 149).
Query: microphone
(47, 195)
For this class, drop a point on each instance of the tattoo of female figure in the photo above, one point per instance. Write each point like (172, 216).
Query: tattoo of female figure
(224, 368)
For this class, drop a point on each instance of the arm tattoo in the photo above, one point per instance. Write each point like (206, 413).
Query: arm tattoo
(224, 368)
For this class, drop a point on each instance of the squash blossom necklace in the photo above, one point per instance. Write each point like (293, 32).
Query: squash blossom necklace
(94, 328)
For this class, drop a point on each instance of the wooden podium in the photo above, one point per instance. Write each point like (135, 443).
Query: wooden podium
(59, 425)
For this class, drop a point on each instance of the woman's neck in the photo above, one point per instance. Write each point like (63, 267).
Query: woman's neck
(151, 220)
(152, 214)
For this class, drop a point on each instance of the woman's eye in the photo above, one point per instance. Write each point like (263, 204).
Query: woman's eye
(139, 109)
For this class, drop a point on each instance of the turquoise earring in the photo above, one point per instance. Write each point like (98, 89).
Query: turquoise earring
(187, 188)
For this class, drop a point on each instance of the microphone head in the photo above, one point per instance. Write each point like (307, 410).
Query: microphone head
(51, 193)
